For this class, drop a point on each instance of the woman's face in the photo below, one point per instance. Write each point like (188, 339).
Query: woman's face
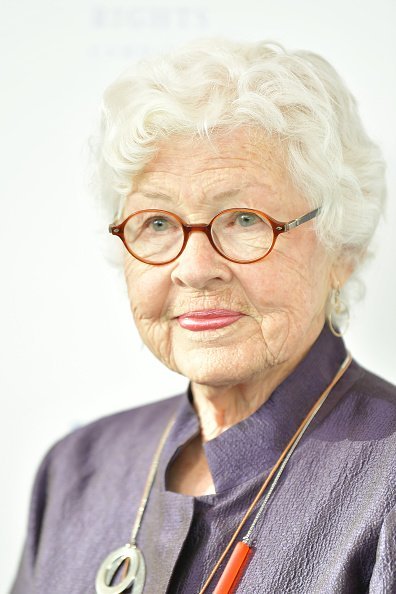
(282, 298)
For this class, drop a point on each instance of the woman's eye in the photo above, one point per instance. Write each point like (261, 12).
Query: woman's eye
(158, 224)
(246, 219)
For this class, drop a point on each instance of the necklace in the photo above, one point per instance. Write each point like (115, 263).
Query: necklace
(134, 571)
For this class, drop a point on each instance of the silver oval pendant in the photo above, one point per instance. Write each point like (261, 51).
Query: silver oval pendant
(134, 578)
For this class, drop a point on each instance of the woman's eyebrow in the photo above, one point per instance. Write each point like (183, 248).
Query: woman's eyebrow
(156, 196)
(226, 194)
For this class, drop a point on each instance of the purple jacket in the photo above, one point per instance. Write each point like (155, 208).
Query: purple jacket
(329, 527)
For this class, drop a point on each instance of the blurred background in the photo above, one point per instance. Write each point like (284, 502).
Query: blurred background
(69, 349)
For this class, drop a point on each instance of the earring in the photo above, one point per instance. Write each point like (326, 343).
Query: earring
(338, 309)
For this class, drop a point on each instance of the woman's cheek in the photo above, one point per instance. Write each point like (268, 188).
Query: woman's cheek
(148, 298)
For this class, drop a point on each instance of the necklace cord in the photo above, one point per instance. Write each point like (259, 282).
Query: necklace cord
(147, 489)
(150, 480)
(289, 446)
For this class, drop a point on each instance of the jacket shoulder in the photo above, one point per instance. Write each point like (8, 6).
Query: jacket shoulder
(375, 387)
(122, 429)
(367, 411)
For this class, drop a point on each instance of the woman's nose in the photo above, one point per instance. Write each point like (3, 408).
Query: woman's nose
(199, 266)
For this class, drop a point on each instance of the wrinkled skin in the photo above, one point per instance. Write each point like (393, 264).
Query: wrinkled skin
(233, 369)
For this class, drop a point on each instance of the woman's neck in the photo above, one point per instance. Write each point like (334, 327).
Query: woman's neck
(220, 407)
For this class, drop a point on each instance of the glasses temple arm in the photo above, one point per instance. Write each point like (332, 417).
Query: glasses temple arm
(303, 219)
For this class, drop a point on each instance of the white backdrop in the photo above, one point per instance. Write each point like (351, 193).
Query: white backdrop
(69, 351)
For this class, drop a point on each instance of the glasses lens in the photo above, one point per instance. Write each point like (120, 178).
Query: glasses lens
(154, 236)
(242, 235)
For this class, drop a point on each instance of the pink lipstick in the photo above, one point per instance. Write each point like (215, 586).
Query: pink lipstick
(208, 319)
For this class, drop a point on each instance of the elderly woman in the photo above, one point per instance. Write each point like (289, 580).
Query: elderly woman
(245, 191)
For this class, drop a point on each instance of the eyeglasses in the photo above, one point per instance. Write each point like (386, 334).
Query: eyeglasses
(241, 235)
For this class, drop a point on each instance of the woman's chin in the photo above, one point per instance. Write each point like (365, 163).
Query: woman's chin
(224, 365)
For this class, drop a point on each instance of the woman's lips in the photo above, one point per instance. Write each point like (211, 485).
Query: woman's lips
(208, 319)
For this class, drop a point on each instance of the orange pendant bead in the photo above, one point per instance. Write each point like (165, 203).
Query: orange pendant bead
(234, 569)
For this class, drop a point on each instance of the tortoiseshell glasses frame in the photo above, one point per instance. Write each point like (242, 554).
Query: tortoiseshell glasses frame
(278, 227)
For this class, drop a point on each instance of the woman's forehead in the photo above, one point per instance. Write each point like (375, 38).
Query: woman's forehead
(239, 149)
(215, 189)
(214, 167)
(219, 182)
(211, 196)
(242, 168)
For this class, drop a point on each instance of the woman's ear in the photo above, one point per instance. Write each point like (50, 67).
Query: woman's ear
(342, 268)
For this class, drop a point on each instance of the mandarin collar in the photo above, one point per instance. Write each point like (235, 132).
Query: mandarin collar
(248, 448)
